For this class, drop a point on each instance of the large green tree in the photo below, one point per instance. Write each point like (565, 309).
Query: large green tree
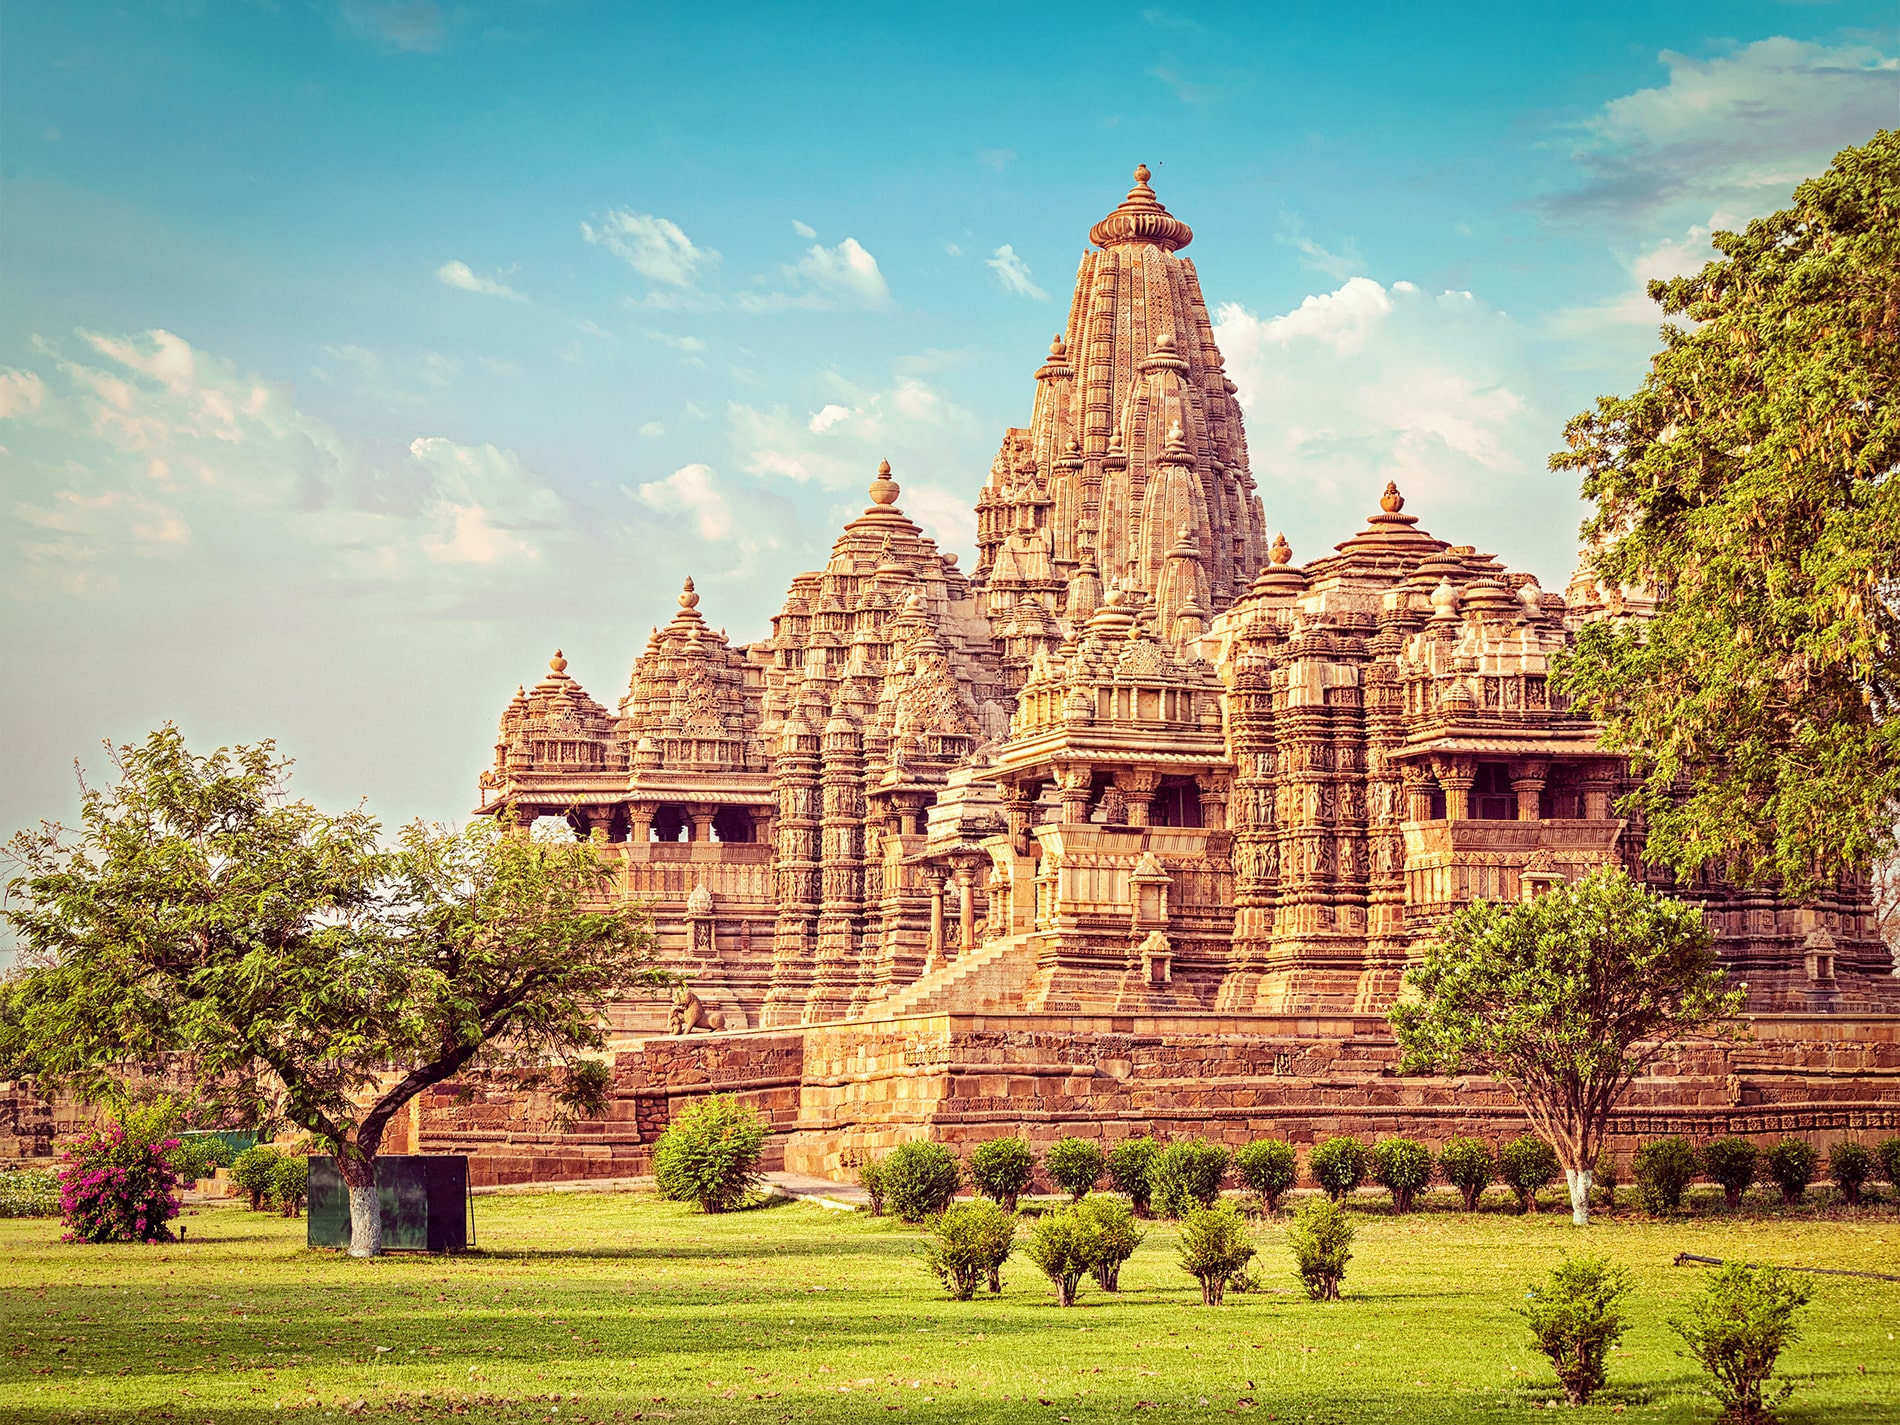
(305, 969)
(1566, 999)
(1750, 482)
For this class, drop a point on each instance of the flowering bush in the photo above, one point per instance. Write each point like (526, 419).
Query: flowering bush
(118, 1185)
(29, 1192)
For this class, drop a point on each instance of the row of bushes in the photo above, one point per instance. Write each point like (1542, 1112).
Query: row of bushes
(917, 1180)
(272, 1179)
(29, 1192)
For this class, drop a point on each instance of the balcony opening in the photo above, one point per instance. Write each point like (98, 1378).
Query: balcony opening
(1491, 796)
(1177, 803)
(670, 824)
(733, 824)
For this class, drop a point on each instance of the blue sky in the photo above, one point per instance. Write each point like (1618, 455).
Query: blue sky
(353, 355)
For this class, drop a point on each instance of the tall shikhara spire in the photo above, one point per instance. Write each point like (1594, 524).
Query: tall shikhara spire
(1133, 470)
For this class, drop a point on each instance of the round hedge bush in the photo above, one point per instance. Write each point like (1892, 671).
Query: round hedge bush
(1401, 1166)
(710, 1155)
(920, 1179)
(1338, 1165)
(1791, 1163)
(1000, 1170)
(1526, 1164)
(1662, 1168)
(1266, 1167)
(1131, 1167)
(1188, 1175)
(251, 1171)
(1849, 1165)
(1732, 1163)
(1469, 1165)
(1074, 1165)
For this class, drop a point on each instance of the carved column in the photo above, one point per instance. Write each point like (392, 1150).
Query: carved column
(1138, 790)
(1456, 775)
(701, 817)
(934, 958)
(966, 910)
(1213, 790)
(795, 777)
(1019, 805)
(1527, 780)
(1418, 791)
(841, 839)
(1072, 784)
(1596, 795)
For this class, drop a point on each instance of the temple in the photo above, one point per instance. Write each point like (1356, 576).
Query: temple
(1139, 766)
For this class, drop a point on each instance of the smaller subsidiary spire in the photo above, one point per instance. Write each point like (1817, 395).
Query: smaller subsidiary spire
(1142, 219)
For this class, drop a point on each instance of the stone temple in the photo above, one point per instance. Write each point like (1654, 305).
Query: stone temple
(1132, 827)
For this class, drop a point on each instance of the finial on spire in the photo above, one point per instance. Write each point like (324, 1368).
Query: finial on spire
(689, 597)
(1058, 348)
(1282, 552)
(1392, 501)
(1141, 219)
(1164, 340)
(557, 662)
(1142, 175)
(884, 489)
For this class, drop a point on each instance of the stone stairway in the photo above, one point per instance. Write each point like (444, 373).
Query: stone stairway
(994, 976)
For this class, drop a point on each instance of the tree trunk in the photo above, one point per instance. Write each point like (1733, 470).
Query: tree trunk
(1579, 1180)
(366, 1221)
(1213, 1287)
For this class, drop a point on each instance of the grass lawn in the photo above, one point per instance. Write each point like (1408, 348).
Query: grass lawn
(599, 1308)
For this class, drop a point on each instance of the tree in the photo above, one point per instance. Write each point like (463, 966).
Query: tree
(1566, 999)
(306, 970)
(1749, 485)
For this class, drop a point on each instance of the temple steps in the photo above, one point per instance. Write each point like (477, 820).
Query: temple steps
(992, 977)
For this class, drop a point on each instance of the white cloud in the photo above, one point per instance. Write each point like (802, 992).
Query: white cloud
(952, 249)
(1013, 273)
(652, 429)
(654, 247)
(1729, 137)
(678, 343)
(804, 230)
(148, 443)
(845, 274)
(22, 394)
(996, 159)
(1368, 383)
(830, 415)
(693, 491)
(459, 274)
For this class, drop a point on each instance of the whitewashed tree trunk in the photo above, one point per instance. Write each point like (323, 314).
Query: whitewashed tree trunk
(1579, 1180)
(366, 1221)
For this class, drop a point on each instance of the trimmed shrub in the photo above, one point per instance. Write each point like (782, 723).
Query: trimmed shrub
(1000, 1169)
(1791, 1163)
(1662, 1168)
(1574, 1318)
(1849, 1165)
(1338, 1165)
(1526, 1164)
(1733, 1163)
(1187, 1175)
(1608, 1176)
(1266, 1167)
(251, 1172)
(1130, 1166)
(1401, 1166)
(709, 1155)
(973, 1240)
(1114, 1220)
(1074, 1165)
(1214, 1247)
(29, 1192)
(920, 1178)
(1737, 1328)
(871, 1179)
(1887, 1154)
(290, 1183)
(117, 1184)
(1321, 1239)
(1469, 1165)
(1066, 1245)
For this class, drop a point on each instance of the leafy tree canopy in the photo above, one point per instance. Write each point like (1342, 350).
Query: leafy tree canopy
(1566, 999)
(1750, 483)
(307, 970)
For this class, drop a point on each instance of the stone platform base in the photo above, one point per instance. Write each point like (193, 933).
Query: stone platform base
(837, 1093)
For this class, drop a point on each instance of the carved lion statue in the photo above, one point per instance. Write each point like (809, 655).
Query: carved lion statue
(691, 1013)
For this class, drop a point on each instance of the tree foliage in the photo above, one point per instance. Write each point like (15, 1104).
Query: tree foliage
(1566, 999)
(306, 970)
(1576, 1320)
(1749, 483)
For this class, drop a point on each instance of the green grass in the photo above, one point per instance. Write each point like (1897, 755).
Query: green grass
(629, 1308)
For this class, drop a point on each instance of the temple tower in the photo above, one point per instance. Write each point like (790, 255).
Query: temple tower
(1133, 468)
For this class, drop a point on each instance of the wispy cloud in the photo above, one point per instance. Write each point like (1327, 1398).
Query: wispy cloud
(804, 230)
(678, 343)
(415, 26)
(1013, 273)
(691, 490)
(847, 273)
(461, 275)
(996, 158)
(654, 247)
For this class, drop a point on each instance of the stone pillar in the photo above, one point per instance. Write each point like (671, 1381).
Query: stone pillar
(1456, 775)
(1138, 790)
(1596, 796)
(842, 871)
(795, 933)
(1527, 780)
(640, 822)
(1019, 805)
(934, 957)
(1213, 789)
(1418, 791)
(966, 910)
(701, 817)
(1072, 782)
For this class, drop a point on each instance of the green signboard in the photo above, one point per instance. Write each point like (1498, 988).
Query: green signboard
(425, 1199)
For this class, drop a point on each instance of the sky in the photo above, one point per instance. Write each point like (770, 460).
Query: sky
(356, 355)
